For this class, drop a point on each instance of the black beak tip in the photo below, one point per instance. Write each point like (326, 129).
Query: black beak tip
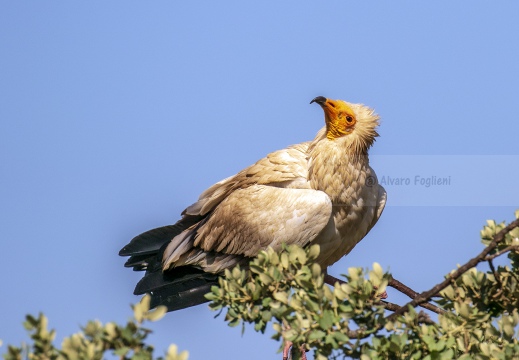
(320, 100)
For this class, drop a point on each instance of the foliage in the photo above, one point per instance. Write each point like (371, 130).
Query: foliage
(95, 339)
(287, 289)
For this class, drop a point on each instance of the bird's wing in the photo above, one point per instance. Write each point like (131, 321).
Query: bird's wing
(380, 201)
(282, 168)
(248, 221)
(380, 204)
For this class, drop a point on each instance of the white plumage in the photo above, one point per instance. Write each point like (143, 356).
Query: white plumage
(318, 192)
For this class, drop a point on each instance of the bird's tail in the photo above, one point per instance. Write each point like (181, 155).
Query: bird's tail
(177, 289)
(180, 287)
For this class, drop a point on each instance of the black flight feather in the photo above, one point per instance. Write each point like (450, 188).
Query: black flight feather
(177, 288)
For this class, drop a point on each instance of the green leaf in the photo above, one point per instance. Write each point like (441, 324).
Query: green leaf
(326, 320)
(447, 354)
(265, 279)
(111, 330)
(236, 273)
(297, 254)
(485, 349)
(464, 310)
(157, 313)
(281, 296)
(339, 294)
(377, 269)
(314, 251)
(138, 313)
(284, 260)
(448, 292)
(340, 337)
(122, 351)
(353, 273)
(211, 296)
(234, 322)
(172, 354)
(290, 334)
(316, 334)
(145, 303)
(316, 270)
(329, 339)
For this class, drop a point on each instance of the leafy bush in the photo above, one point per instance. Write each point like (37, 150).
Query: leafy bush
(478, 311)
(479, 319)
(95, 339)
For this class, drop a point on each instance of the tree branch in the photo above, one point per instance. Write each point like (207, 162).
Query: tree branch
(505, 250)
(395, 284)
(427, 295)
(496, 275)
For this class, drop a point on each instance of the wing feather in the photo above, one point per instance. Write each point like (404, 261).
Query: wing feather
(283, 168)
(250, 220)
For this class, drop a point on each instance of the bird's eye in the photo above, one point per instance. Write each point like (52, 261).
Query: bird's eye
(349, 118)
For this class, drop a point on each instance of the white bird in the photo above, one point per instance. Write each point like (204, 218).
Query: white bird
(318, 192)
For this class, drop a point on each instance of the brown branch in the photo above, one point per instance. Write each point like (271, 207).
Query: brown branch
(395, 284)
(505, 250)
(404, 289)
(389, 305)
(431, 307)
(496, 275)
(422, 316)
(427, 295)
(288, 348)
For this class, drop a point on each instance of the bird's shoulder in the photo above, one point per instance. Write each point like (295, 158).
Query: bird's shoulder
(282, 168)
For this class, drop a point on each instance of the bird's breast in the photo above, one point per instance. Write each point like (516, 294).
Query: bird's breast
(346, 179)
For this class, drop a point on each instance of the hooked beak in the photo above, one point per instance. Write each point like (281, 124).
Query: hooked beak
(320, 100)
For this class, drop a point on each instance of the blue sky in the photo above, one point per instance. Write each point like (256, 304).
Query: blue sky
(115, 115)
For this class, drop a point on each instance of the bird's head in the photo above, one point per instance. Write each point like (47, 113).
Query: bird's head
(355, 123)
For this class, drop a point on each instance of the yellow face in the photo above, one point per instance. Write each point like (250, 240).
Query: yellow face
(340, 118)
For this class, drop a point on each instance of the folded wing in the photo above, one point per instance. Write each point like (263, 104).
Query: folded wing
(250, 220)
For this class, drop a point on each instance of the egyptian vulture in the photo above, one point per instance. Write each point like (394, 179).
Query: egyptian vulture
(318, 192)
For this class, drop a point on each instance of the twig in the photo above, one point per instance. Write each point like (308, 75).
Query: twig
(426, 295)
(290, 349)
(389, 305)
(404, 289)
(358, 334)
(505, 250)
(496, 275)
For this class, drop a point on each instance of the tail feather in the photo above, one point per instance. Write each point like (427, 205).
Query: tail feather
(177, 288)
(151, 241)
(184, 299)
(177, 279)
(139, 262)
